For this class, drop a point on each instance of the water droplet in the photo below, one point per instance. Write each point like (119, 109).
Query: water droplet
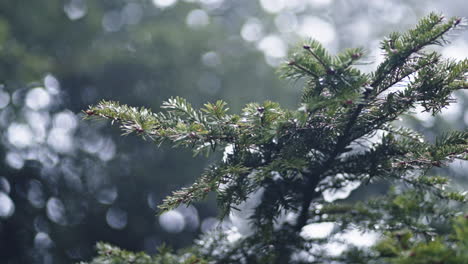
(172, 221)
(56, 211)
(75, 9)
(5, 185)
(320, 3)
(286, 22)
(116, 218)
(132, 13)
(112, 21)
(152, 200)
(37, 99)
(252, 30)
(52, 84)
(20, 135)
(60, 140)
(208, 224)
(35, 194)
(314, 27)
(65, 120)
(190, 214)
(14, 160)
(273, 46)
(107, 151)
(107, 195)
(4, 99)
(197, 18)
(7, 207)
(164, 3)
(211, 4)
(211, 59)
(42, 241)
(273, 6)
(39, 124)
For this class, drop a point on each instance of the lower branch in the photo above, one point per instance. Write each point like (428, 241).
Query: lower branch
(309, 195)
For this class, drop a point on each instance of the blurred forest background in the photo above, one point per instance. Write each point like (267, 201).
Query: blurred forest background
(66, 184)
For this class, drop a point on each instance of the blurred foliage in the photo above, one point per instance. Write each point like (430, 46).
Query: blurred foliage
(65, 193)
(113, 255)
(401, 248)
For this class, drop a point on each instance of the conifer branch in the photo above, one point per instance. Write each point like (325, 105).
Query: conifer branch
(322, 62)
(291, 157)
(400, 47)
(302, 68)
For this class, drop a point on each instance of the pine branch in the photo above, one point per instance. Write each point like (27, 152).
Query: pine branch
(209, 181)
(399, 48)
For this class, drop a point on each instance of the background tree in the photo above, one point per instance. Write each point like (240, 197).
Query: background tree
(341, 135)
(64, 180)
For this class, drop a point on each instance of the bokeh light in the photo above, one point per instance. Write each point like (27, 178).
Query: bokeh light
(164, 3)
(7, 207)
(116, 218)
(197, 18)
(172, 221)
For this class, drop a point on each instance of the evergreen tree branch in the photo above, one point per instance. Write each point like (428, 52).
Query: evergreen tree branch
(399, 48)
(339, 134)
